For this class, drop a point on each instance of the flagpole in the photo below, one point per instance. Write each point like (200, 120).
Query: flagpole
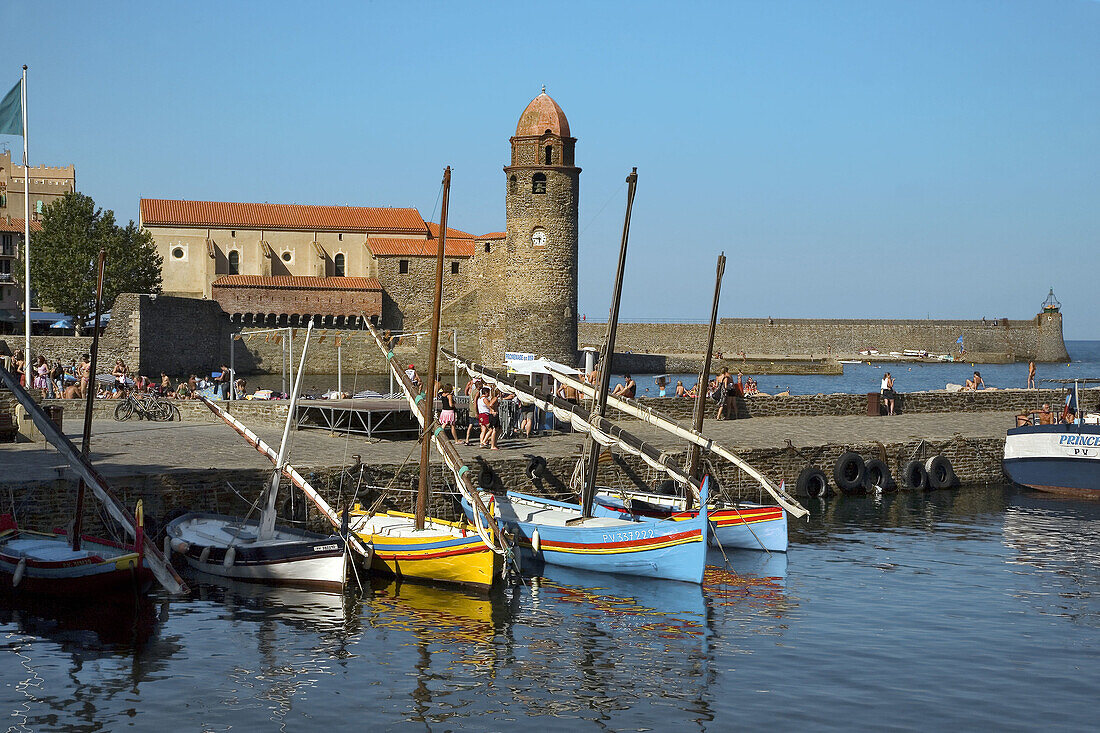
(26, 245)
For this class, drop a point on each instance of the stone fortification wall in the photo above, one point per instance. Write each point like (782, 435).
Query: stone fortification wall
(992, 400)
(1039, 338)
(66, 348)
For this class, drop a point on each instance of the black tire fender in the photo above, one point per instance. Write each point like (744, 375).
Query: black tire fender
(941, 475)
(915, 476)
(812, 482)
(536, 467)
(849, 471)
(877, 473)
(485, 478)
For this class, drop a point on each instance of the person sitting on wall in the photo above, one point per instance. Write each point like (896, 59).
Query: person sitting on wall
(413, 376)
(680, 390)
(975, 383)
(627, 389)
(750, 386)
(183, 391)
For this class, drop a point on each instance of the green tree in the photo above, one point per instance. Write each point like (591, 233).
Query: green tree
(63, 257)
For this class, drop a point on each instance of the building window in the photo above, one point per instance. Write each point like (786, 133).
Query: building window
(3, 199)
(454, 268)
(287, 256)
(38, 207)
(178, 253)
(233, 233)
(512, 184)
(338, 262)
(6, 246)
(549, 158)
(487, 246)
(234, 263)
(403, 267)
(538, 183)
(340, 237)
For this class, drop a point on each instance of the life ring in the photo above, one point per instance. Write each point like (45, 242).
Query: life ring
(849, 471)
(877, 473)
(915, 476)
(536, 467)
(940, 473)
(812, 482)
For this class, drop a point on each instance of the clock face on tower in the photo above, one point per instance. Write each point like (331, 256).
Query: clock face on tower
(538, 238)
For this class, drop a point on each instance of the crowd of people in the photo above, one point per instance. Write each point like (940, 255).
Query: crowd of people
(55, 379)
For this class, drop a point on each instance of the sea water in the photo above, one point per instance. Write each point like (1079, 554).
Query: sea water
(969, 610)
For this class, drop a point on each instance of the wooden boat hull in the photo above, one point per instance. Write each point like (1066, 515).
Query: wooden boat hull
(746, 527)
(51, 568)
(657, 548)
(440, 554)
(1063, 459)
(307, 560)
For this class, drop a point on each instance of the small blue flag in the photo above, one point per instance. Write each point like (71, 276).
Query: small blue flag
(959, 340)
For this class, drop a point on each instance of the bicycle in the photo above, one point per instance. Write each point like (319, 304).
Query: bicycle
(148, 407)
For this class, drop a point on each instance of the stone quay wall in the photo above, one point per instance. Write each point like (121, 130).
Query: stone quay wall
(1039, 338)
(47, 504)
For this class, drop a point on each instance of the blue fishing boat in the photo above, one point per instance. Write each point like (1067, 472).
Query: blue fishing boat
(556, 533)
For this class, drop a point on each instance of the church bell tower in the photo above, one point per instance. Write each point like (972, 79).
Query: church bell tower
(542, 187)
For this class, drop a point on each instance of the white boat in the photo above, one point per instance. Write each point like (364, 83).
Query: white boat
(1061, 458)
(256, 549)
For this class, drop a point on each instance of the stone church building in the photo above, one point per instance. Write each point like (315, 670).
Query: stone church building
(282, 264)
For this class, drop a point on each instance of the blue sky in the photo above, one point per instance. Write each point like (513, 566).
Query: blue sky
(853, 159)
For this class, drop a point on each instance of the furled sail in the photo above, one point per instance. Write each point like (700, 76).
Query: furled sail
(602, 430)
(653, 417)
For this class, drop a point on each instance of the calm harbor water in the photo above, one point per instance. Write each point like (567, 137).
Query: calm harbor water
(857, 378)
(976, 609)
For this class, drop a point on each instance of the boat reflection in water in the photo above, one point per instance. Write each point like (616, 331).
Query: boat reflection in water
(1056, 535)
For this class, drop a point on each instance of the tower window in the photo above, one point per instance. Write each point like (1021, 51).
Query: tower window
(454, 268)
(487, 247)
(178, 253)
(512, 184)
(287, 256)
(538, 183)
(338, 263)
(403, 267)
(549, 158)
(233, 233)
(234, 263)
(340, 237)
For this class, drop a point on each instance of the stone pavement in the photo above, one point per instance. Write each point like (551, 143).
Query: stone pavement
(135, 448)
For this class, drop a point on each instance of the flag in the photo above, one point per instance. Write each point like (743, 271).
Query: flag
(11, 112)
(959, 340)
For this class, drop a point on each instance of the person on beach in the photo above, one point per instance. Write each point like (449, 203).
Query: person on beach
(84, 373)
(483, 416)
(447, 414)
(722, 385)
(975, 383)
(887, 391)
(1031, 375)
(472, 391)
(680, 391)
(19, 368)
(42, 375)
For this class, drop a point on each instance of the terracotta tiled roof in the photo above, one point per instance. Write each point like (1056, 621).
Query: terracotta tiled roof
(280, 216)
(452, 233)
(386, 247)
(298, 282)
(16, 225)
(494, 235)
(542, 115)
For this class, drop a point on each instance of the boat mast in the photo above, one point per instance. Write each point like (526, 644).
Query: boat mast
(704, 376)
(86, 439)
(592, 449)
(267, 518)
(428, 381)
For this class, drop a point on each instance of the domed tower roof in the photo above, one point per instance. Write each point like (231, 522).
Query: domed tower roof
(542, 115)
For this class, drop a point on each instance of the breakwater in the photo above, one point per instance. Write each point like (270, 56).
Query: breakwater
(1039, 338)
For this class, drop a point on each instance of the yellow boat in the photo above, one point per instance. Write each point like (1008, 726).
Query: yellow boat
(446, 552)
